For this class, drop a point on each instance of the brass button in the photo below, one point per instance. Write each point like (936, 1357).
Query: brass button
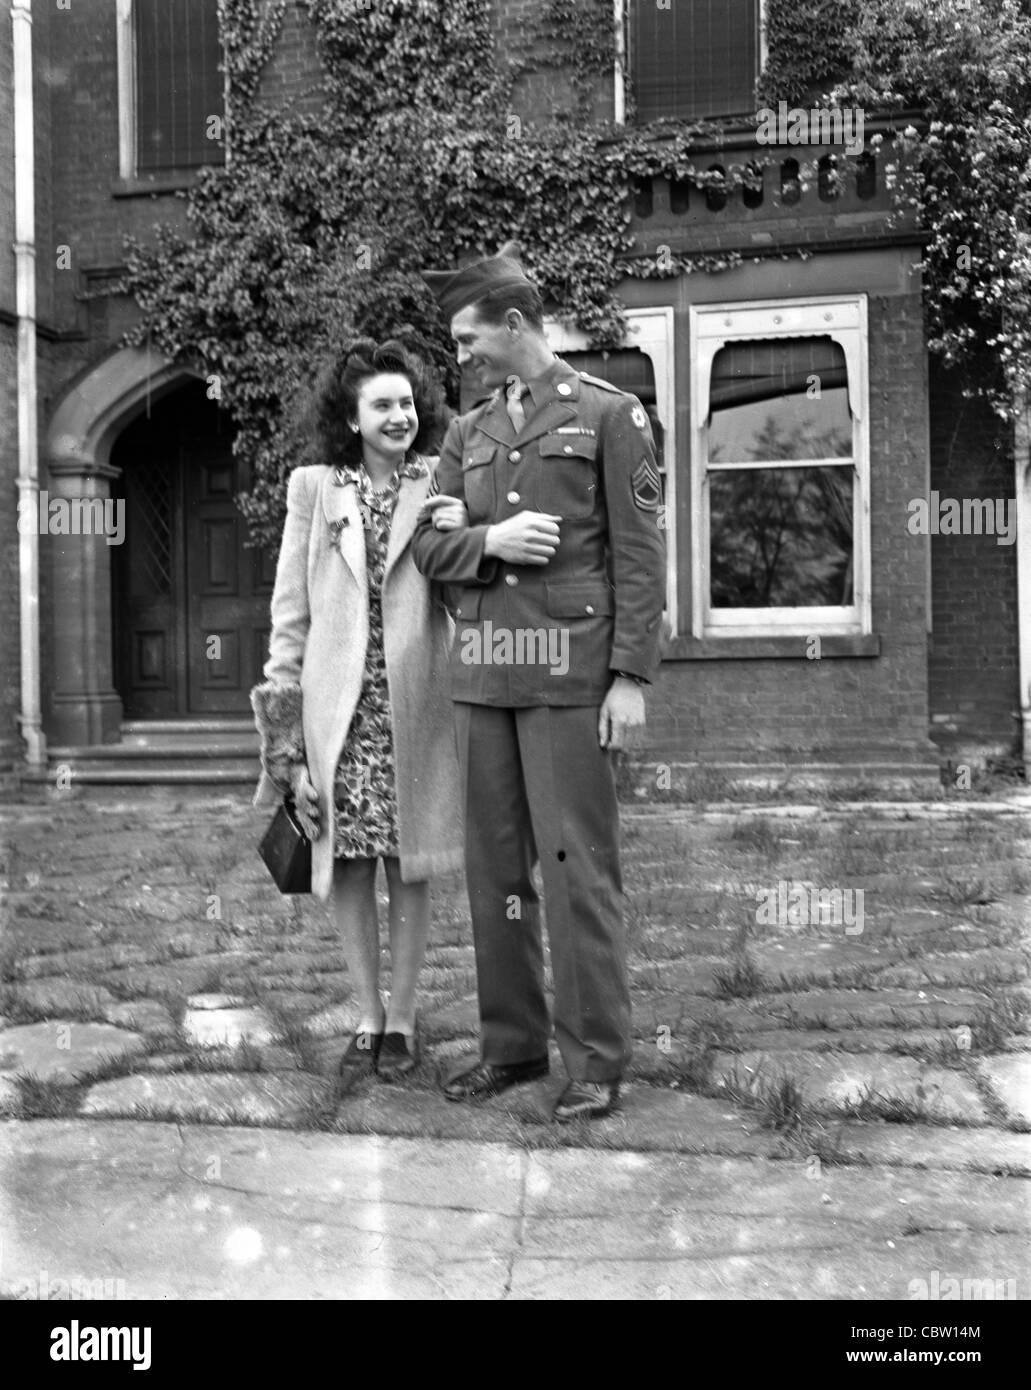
(564, 388)
(513, 497)
(458, 612)
(568, 449)
(589, 608)
(511, 580)
(514, 456)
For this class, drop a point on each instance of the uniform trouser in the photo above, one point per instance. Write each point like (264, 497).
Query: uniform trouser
(538, 786)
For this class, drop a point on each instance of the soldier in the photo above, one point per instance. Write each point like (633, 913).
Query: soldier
(558, 585)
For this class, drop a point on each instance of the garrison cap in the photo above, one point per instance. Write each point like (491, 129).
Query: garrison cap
(457, 289)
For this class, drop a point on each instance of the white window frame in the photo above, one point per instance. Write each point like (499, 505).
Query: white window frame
(651, 329)
(842, 318)
(621, 22)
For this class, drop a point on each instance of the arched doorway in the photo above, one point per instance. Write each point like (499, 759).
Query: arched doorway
(190, 600)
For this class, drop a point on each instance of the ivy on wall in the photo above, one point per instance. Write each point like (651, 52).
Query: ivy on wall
(407, 154)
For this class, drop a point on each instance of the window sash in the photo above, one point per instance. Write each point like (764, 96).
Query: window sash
(178, 85)
(698, 58)
(773, 321)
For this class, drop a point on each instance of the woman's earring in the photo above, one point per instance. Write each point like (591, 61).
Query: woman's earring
(354, 429)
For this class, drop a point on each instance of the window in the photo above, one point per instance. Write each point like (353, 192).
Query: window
(171, 91)
(694, 58)
(780, 469)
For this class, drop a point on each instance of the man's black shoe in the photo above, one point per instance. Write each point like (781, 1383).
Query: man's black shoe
(586, 1100)
(487, 1079)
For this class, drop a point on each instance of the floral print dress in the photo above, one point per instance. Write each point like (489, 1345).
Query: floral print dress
(364, 789)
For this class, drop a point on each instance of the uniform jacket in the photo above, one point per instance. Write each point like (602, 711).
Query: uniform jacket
(585, 454)
(320, 629)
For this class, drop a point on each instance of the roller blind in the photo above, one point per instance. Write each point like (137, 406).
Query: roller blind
(178, 84)
(697, 58)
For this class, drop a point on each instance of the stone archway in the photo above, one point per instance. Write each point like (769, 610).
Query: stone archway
(84, 707)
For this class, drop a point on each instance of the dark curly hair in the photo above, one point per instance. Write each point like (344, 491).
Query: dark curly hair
(334, 400)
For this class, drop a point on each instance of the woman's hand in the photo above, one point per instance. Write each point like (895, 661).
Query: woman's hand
(448, 513)
(306, 801)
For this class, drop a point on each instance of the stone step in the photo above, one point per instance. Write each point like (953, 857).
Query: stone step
(152, 770)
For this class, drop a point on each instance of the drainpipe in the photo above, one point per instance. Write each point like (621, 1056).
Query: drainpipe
(1022, 492)
(31, 719)
(619, 66)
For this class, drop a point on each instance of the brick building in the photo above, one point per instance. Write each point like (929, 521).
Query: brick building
(797, 411)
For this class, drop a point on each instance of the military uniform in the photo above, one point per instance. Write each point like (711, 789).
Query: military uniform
(535, 652)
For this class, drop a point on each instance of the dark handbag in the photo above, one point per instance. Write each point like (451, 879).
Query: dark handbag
(287, 851)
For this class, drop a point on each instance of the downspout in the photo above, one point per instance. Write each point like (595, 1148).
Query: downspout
(619, 62)
(1022, 492)
(31, 719)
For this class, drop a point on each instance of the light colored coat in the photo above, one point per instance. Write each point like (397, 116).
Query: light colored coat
(320, 632)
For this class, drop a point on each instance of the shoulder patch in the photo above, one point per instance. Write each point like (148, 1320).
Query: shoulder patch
(639, 417)
(647, 486)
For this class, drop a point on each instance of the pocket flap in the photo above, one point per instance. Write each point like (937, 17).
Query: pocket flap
(580, 446)
(467, 609)
(476, 458)
(580, 600)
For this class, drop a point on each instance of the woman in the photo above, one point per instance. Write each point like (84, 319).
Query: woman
(354, 713)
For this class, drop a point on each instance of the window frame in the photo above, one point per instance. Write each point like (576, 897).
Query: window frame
(624, 54)
(842, 318)
(651, 329)
(128, 144)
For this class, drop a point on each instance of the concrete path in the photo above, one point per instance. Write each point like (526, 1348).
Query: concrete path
(138, 1211)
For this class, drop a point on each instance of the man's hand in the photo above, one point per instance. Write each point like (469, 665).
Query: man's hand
(448, 513)
(529, 538)
(306, 801)
(621, 717)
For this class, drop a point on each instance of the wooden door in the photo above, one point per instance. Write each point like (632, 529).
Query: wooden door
(191, 600)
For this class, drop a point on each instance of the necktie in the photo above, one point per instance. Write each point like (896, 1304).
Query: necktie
(514, 402)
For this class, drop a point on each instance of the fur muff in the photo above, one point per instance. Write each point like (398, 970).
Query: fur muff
(277, 713)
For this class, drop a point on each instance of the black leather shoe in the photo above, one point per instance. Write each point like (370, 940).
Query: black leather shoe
(488, 1079)
(397, 1057)
(359, 1060)
(586, 1100)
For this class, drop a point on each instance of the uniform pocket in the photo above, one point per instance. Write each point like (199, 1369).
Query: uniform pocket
(478, 482)
(580, 599)
(467, 609)
(569, 475)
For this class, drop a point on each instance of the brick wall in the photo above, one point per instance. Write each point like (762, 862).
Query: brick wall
(974, 673)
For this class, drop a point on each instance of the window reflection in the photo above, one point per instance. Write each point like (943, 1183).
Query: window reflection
(780, 537)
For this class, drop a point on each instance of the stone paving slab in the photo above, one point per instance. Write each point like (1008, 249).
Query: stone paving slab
(141, 1016)
(64, 1051)
(216, 1027)
(230, 1213)
(876, 1008)
(198, 1097)
(1010, 1078)
(61, 996)
(836, 1081)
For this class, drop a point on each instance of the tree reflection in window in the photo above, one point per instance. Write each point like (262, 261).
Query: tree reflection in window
(780, 476)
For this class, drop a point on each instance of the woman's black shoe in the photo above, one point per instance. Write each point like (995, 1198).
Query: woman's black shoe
(359, 1060)
(397, 1057)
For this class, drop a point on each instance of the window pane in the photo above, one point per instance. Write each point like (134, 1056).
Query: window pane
(178, 84)
(694, 58)
(779, 400)
(780, 538)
